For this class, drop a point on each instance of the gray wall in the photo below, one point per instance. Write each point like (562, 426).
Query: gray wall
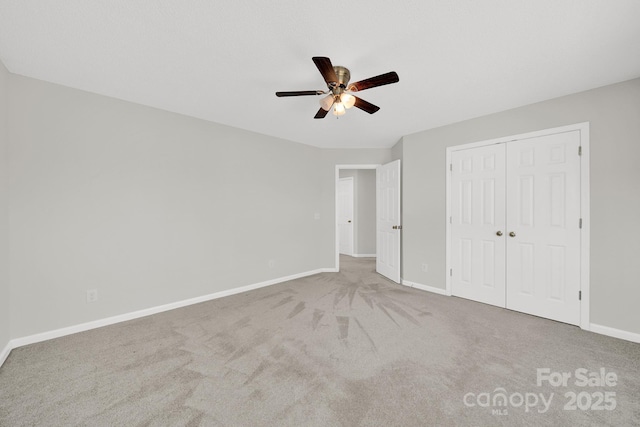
(614, 114)
(5, 332)
(148, 207)
(366, 199)
(151, 207)
(364, 184)
(397, 151)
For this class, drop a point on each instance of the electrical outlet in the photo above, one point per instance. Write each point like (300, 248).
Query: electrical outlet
(425, 267)
(272, 263)
(92, 295)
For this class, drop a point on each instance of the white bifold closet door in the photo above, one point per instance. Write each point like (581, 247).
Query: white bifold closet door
(543, 224)
(478, 216)
(515, 231)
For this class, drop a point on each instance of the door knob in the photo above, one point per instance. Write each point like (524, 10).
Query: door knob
(498, 233)
(512, 234)
(349, 221)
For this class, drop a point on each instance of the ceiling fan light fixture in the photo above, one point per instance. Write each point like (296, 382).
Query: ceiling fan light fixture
(326, 102)
(348, 100)
(338, 109)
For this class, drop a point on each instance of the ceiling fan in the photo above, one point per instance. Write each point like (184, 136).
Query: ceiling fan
(337, 79)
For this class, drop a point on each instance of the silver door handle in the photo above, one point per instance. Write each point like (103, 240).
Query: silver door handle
(512, 234)
(498, 233)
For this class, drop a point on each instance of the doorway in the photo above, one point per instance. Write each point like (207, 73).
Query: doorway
(384, 232)
(351, 171)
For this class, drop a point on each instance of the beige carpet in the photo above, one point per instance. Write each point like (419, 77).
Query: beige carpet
(334, 349)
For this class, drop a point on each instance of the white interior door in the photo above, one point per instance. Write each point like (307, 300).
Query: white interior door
(543, 224)
(345, 215)
(478, 224)
(388, 226)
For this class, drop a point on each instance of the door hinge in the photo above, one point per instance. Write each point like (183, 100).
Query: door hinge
(450, 220)
(451, 272)
(580, 223)
(451, 167)
(579, 295)
(580, 150)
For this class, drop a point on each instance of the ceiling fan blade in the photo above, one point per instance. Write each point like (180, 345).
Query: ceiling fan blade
(381, 80)
(300, 93)
(321, 113)
(326, 69)
(365, 106)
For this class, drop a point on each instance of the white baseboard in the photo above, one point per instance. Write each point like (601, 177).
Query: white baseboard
(328, 270)
(5, 353)
(616, 333)
(31, 339)
(364, 255)
(598, 329)
(427, 288)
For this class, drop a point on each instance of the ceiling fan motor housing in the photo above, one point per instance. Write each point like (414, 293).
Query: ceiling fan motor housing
(343, 76)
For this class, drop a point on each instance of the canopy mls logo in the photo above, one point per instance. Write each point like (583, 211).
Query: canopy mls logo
(587, 399)
(500, 400)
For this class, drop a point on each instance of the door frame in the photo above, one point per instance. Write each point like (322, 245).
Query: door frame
(353, 214)
(335, 190)
(585, 235)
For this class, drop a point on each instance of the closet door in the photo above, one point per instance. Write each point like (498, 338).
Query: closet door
(478, 224)
(543, 231)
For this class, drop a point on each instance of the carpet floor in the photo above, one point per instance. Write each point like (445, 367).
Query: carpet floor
(334, 349)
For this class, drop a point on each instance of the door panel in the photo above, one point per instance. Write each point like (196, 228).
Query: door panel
(345, 215)
(388, 217)
(543, 210)
(477, 208)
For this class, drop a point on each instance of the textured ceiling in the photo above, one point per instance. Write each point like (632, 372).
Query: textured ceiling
(223, 60)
